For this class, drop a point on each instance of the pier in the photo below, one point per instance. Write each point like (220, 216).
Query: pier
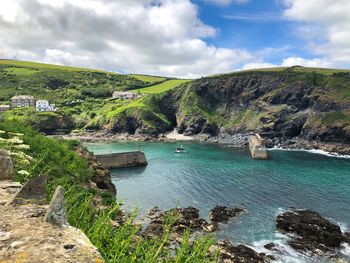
(257, 147)
(124, 159)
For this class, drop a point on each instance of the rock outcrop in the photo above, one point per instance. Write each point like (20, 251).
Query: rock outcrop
(311, 232)
(33, 191)
(230, 253)
(25, 237)
(6, 166)
(221, 214)
(56, 213)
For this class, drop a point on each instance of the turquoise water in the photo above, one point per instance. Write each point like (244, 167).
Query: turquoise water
(210, 175)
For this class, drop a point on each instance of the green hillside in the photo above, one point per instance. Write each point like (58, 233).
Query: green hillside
(147, 78)
(162, 87)
(44, 66)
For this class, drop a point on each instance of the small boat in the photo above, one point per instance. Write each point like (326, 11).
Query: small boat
(180, 149)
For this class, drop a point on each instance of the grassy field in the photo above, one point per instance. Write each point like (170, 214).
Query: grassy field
(324, 71)
(147, 78)
(38, 65)
(162, 87)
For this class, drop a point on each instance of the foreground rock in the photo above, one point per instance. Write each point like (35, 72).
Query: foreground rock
(315, 234)
(25, 237)
(6, 166)
(239, 253)
(56, 213)
(33, 191)
(221, 214)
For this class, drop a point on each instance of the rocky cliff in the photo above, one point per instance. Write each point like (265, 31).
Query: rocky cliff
(287, 106)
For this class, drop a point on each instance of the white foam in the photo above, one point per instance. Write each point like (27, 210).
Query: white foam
(315, 151)
(346, 250)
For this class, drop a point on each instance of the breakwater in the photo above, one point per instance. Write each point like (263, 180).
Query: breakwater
(124, 159)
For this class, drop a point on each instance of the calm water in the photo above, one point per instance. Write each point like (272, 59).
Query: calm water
(210, 175)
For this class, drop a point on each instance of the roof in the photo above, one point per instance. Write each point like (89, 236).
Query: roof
(22, 97)
(42, 101)
(4, 106)
(123, 92)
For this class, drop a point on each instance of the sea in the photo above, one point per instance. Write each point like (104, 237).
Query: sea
(210, 174)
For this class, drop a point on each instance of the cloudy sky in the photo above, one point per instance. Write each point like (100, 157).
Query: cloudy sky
(183, 38)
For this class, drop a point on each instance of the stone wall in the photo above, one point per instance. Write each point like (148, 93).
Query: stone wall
(6, 166)
(125, 159)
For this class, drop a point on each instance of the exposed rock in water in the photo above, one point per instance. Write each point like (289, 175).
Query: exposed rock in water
(240, 254)
(315, 234)
(6, 166)
(183, 219)
(56, 213)
(221, 214)
(33, 191)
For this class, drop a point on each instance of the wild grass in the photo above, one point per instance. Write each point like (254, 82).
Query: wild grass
(38, 65)
(21, 71)
(162, 87)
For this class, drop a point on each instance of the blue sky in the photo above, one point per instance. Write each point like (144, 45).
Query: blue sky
(258, 26)
(180, 38)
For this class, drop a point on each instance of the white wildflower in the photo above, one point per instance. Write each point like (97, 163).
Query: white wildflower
(23, 172)
(22, 146)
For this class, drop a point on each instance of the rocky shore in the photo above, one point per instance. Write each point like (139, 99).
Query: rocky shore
(235, 140)
(308, 233)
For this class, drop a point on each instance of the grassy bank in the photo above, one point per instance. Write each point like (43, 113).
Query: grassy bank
(36, 155)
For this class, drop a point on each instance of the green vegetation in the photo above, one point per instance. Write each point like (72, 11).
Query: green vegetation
(45, 66)
(162, 87)
(335, 117)
(38, 155)
(147, 78)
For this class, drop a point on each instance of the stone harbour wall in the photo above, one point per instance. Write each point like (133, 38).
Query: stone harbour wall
(125, 159)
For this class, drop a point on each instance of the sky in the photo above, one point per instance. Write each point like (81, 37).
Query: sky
(177, 38)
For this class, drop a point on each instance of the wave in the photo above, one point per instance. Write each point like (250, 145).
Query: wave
(315, 151)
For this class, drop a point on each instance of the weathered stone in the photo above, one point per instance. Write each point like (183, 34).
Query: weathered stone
(7, 190)
(314, 233)
(221, 214)
(32, 192)
(56, 213)
(240, 253)
(6, 166)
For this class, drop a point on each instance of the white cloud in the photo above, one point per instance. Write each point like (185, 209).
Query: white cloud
(328, 29)
(298, 61)
(226, 2)
(257, 65)
(163, 37)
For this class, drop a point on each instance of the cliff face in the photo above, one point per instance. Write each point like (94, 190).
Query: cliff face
(280, 104)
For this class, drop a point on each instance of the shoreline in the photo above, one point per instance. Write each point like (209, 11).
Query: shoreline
(239, 140)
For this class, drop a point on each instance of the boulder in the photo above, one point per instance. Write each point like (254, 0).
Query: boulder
(314, 233)
(32, 192)
(221, 214)
(183, 218)
(240, 254)
(6, 166)
(56, 213)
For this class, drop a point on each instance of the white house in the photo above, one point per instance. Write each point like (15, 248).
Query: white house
(4, 108)
(125, 95)
(43, 105)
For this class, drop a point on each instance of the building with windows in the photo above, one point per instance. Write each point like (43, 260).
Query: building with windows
(44, 105)
(125, 95)
(19, 101)
(4, 108)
